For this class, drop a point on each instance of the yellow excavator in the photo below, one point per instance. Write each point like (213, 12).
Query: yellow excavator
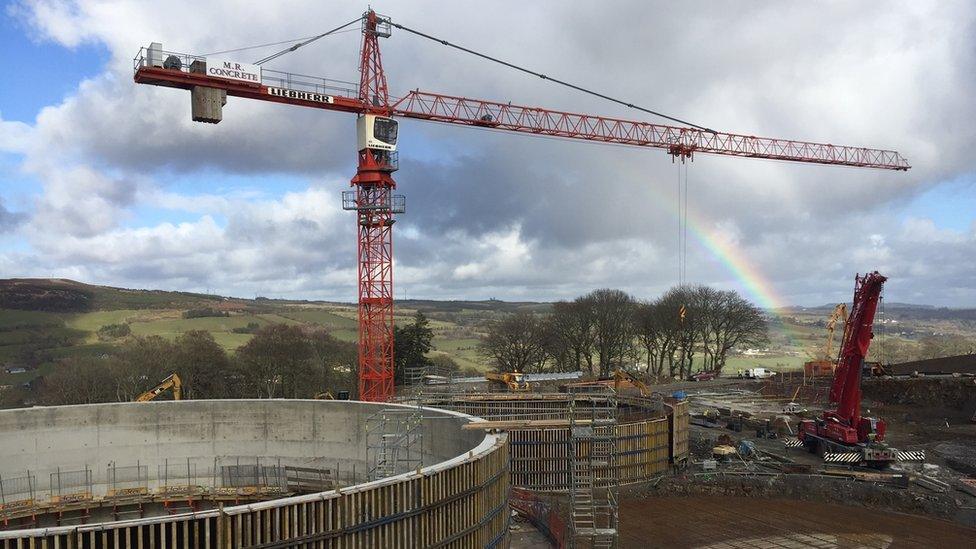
(515, 381)
(620, 375)
(172, 381)
(823, 364)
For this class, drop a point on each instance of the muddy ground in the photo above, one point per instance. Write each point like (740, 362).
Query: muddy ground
(723, 521)
(726, 509)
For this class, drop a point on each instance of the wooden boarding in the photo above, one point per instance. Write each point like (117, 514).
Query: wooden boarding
(650, 436)
(505, 425)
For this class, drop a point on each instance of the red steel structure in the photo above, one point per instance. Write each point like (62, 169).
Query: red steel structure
(679, 141)
(844, 429)
(374, 188)
(845, 423)
(373, 201)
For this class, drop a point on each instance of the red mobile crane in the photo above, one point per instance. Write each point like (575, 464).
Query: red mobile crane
(843, 434)
(373, 199)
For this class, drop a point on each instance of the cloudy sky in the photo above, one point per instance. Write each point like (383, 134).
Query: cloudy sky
(109, 182)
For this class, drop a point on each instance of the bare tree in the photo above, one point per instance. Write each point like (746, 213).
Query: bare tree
(707, 305)
(655, 335)
(679, 319)
(516, 343)
(724, 320)
(202, 364)
(571, 325)
(140, 364)
(81, 380)
(278, 360)
(612, 324)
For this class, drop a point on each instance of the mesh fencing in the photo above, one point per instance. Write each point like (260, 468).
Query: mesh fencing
(182, 475)
(17, 488)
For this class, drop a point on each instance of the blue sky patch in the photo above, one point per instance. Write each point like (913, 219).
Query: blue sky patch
(46, 72)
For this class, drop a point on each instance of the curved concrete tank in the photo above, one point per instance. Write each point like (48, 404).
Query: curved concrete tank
(73, 457)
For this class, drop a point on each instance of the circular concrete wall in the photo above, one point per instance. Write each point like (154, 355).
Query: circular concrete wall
(81, 455)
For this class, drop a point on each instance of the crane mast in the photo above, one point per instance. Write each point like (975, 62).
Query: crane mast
(373, 202)
(210, 81)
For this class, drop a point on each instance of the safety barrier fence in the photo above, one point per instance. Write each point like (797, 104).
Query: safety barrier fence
(204, 478)
(541, 514)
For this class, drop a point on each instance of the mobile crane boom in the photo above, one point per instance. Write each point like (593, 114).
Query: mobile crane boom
(845, 390)
(843, 430)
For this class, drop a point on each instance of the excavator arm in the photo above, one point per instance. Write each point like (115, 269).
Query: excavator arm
(172, 381)
(620, 375)
(840, 311)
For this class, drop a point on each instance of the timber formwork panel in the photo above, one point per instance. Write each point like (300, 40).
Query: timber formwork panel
(539, 456)
(679, 427)
(647, 440)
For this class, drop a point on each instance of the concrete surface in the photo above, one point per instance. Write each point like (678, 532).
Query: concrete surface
(304, 433)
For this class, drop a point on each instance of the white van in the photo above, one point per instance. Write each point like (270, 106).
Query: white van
(756, 373)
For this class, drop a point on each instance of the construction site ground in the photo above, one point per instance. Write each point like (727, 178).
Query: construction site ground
(788, 497)
(733, 522)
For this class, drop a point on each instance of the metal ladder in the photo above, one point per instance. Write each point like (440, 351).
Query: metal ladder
(593, 475)
(394, 442)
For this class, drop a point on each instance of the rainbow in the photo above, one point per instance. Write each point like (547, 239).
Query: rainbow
(747, 275)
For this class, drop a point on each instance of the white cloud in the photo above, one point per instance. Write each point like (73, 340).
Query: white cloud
(15, 136)
(502, 214)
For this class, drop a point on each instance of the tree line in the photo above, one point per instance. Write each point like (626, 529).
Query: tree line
(279, 361)
(608, 329)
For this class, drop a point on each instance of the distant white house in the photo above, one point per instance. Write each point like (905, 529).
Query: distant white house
(755, 352)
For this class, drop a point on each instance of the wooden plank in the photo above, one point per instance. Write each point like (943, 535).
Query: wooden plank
(523, 424)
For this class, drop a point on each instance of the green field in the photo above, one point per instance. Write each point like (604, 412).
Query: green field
(50, 333)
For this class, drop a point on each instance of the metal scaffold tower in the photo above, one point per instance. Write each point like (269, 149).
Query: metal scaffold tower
(593, 475)
(394, 442)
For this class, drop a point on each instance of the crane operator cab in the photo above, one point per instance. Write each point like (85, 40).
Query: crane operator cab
(379, 135)
(377, 132)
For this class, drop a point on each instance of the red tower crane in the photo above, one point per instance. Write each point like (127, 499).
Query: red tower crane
(372, 198)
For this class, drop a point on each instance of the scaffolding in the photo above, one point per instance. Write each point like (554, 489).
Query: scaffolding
(592, 454)
(394, 441)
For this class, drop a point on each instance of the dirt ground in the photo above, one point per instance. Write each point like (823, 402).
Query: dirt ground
(728, 522)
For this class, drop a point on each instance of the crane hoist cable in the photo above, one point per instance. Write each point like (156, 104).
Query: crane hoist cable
(549, 78)
(677, 208)
(681, 211)
(269, 44)
(294, 47)
(684, 247)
